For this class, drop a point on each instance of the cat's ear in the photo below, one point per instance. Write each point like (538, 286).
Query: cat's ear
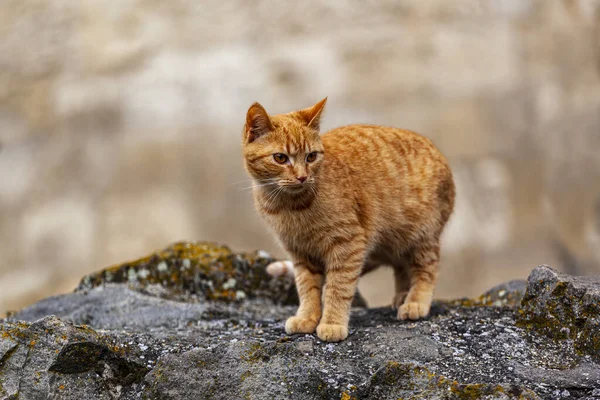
(258, 123)
(312, 115)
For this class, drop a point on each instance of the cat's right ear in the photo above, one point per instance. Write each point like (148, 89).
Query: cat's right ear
(258, 123)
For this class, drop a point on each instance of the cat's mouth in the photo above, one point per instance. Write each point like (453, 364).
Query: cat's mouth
(294, 187)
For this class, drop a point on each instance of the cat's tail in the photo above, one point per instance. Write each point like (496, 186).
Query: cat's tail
(281, 268)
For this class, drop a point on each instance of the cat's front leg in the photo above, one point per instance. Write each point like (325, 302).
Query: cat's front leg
(308, 285)
(342, 273)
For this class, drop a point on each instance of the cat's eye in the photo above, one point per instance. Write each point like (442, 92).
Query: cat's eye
(311, 157)
(280, 158)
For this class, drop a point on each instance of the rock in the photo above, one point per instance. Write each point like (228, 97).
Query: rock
(510, 293)
(116, 307)
(202, 270)
(506, 294)
(171, 334)
(564, 307)
(53, 358)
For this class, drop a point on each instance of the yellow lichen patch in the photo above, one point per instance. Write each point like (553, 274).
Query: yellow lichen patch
(254, 354)
(85, 328)
(508, 300)
(471, 391)
(475, 390)
(116, 349)
(198, 254)
(170, 264)
(202, 269)
(15, 333)
(346, 396)
(416, 377)
(245, 375)
(561, 312)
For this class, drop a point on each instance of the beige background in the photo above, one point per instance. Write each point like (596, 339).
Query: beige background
(120, 124)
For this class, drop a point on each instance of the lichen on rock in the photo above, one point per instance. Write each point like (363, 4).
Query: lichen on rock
(508, 294)
(563, 307)
(205, 270)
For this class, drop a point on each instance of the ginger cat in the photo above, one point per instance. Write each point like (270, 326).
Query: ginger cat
(344, 203)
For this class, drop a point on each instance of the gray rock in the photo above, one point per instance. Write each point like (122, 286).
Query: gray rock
(564, 307)
(115, 306)
(509, 293)
(144, 344)
(53, 358)
(191, 271)
(583, 376)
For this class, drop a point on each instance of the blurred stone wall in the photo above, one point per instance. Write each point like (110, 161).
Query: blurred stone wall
(120, 124)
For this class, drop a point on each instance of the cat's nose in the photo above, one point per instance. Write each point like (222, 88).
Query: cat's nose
(301, 178)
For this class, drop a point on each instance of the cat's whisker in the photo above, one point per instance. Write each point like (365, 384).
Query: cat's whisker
(259, 185)
(253, 181)
(271, 197)
(277, 192)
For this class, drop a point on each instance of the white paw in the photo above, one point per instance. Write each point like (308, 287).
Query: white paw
(299, 325)
(413, 310)
(281, 268)
(332, 333)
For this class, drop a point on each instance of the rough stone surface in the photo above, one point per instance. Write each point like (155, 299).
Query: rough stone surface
(202, 270)
(564, 307)
(151, 339)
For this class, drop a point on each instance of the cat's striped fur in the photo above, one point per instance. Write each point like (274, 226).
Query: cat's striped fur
(372, 195)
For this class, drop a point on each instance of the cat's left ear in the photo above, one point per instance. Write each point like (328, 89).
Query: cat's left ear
(312, 115)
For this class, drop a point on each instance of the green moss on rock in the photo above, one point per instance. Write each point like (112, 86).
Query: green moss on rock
(416, 378)
(507, 294)
(563, 307)
(205, 270)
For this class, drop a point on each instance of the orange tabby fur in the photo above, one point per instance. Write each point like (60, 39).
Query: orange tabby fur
(374, 195)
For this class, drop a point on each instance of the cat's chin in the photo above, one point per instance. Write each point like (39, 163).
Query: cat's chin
(295, 189)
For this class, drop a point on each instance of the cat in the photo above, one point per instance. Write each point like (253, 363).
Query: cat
(342, 204)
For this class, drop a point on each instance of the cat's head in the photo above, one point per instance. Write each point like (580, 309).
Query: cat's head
(283, 150)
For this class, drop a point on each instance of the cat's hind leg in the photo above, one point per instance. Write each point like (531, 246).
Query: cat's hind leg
(423, 269)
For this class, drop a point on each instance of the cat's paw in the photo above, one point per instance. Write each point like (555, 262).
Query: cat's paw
(398, 299)
(300, 325)
(413, 310)
(281, 268)
(332, 333)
